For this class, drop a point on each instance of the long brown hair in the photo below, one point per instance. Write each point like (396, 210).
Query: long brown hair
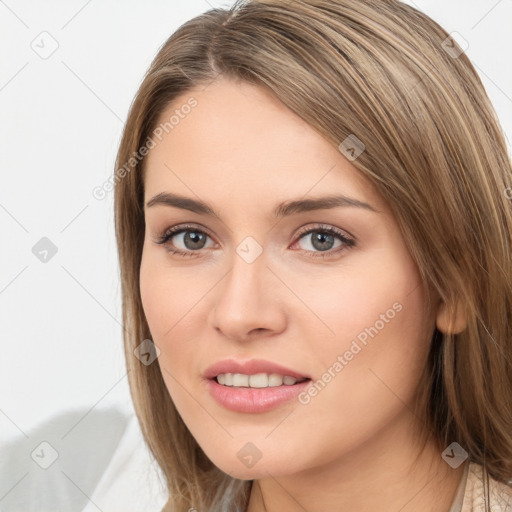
(389, 75)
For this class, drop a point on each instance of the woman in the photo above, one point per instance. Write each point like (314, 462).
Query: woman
(314, 232)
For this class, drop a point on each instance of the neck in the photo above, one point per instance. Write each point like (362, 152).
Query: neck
(384, 475)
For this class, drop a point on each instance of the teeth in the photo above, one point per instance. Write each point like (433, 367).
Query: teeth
(258, 380)
(240, 380)
(275, 380)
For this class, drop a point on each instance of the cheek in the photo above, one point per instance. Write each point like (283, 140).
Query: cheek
(171, 299)
(370, 361)
(155, 299)
(367, 379)
(164, 306)
(373, 365)
(167, 294)
(370, 301)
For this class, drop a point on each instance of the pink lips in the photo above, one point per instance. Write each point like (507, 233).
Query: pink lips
(252, 400)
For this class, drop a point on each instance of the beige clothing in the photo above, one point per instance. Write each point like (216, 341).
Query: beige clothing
(470, 496)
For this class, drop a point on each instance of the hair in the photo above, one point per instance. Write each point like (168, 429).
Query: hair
(383, 72)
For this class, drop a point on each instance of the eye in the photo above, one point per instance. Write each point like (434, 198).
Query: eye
(320, 241)
(324, 241)
(185, 240)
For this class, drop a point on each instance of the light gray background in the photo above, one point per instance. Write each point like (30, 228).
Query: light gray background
(62, 116)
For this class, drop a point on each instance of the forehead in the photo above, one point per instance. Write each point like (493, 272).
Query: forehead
(239, 137)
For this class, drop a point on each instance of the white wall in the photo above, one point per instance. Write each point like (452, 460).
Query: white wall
(61, 121)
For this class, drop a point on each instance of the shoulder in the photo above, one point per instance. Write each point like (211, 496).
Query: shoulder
(58, 463)
(499, 493)
(81, 460)
(132, 480)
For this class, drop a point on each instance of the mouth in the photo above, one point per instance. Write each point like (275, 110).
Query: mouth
(260, 370)
(254, 386)
(258, 380)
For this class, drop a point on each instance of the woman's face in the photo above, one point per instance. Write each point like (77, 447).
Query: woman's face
(259, 287)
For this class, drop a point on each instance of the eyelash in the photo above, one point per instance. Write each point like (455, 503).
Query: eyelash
(176, 230)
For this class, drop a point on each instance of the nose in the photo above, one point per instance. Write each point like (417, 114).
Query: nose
(248, 302)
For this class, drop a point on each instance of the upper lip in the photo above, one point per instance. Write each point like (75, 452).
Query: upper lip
(250, 367)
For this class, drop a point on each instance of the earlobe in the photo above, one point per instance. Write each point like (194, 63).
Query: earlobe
(451, 320)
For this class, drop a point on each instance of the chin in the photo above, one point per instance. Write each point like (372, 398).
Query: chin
(260, 470)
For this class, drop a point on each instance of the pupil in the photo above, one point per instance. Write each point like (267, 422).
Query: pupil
(320, 239)
(195, 239)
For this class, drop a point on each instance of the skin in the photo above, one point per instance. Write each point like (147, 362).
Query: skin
(352, 447)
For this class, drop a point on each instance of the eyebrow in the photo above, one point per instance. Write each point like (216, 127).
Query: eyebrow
(282, 210)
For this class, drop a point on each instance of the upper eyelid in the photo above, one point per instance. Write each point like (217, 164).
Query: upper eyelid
(176, 230)
(322, 226)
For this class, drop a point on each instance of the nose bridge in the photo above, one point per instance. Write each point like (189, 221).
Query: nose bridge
(248, 270)
(246, 298)
(243, 287)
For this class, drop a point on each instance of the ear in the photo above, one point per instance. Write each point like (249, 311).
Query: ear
(451, 320)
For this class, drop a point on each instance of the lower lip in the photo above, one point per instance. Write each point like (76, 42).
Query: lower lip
(253, 400)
